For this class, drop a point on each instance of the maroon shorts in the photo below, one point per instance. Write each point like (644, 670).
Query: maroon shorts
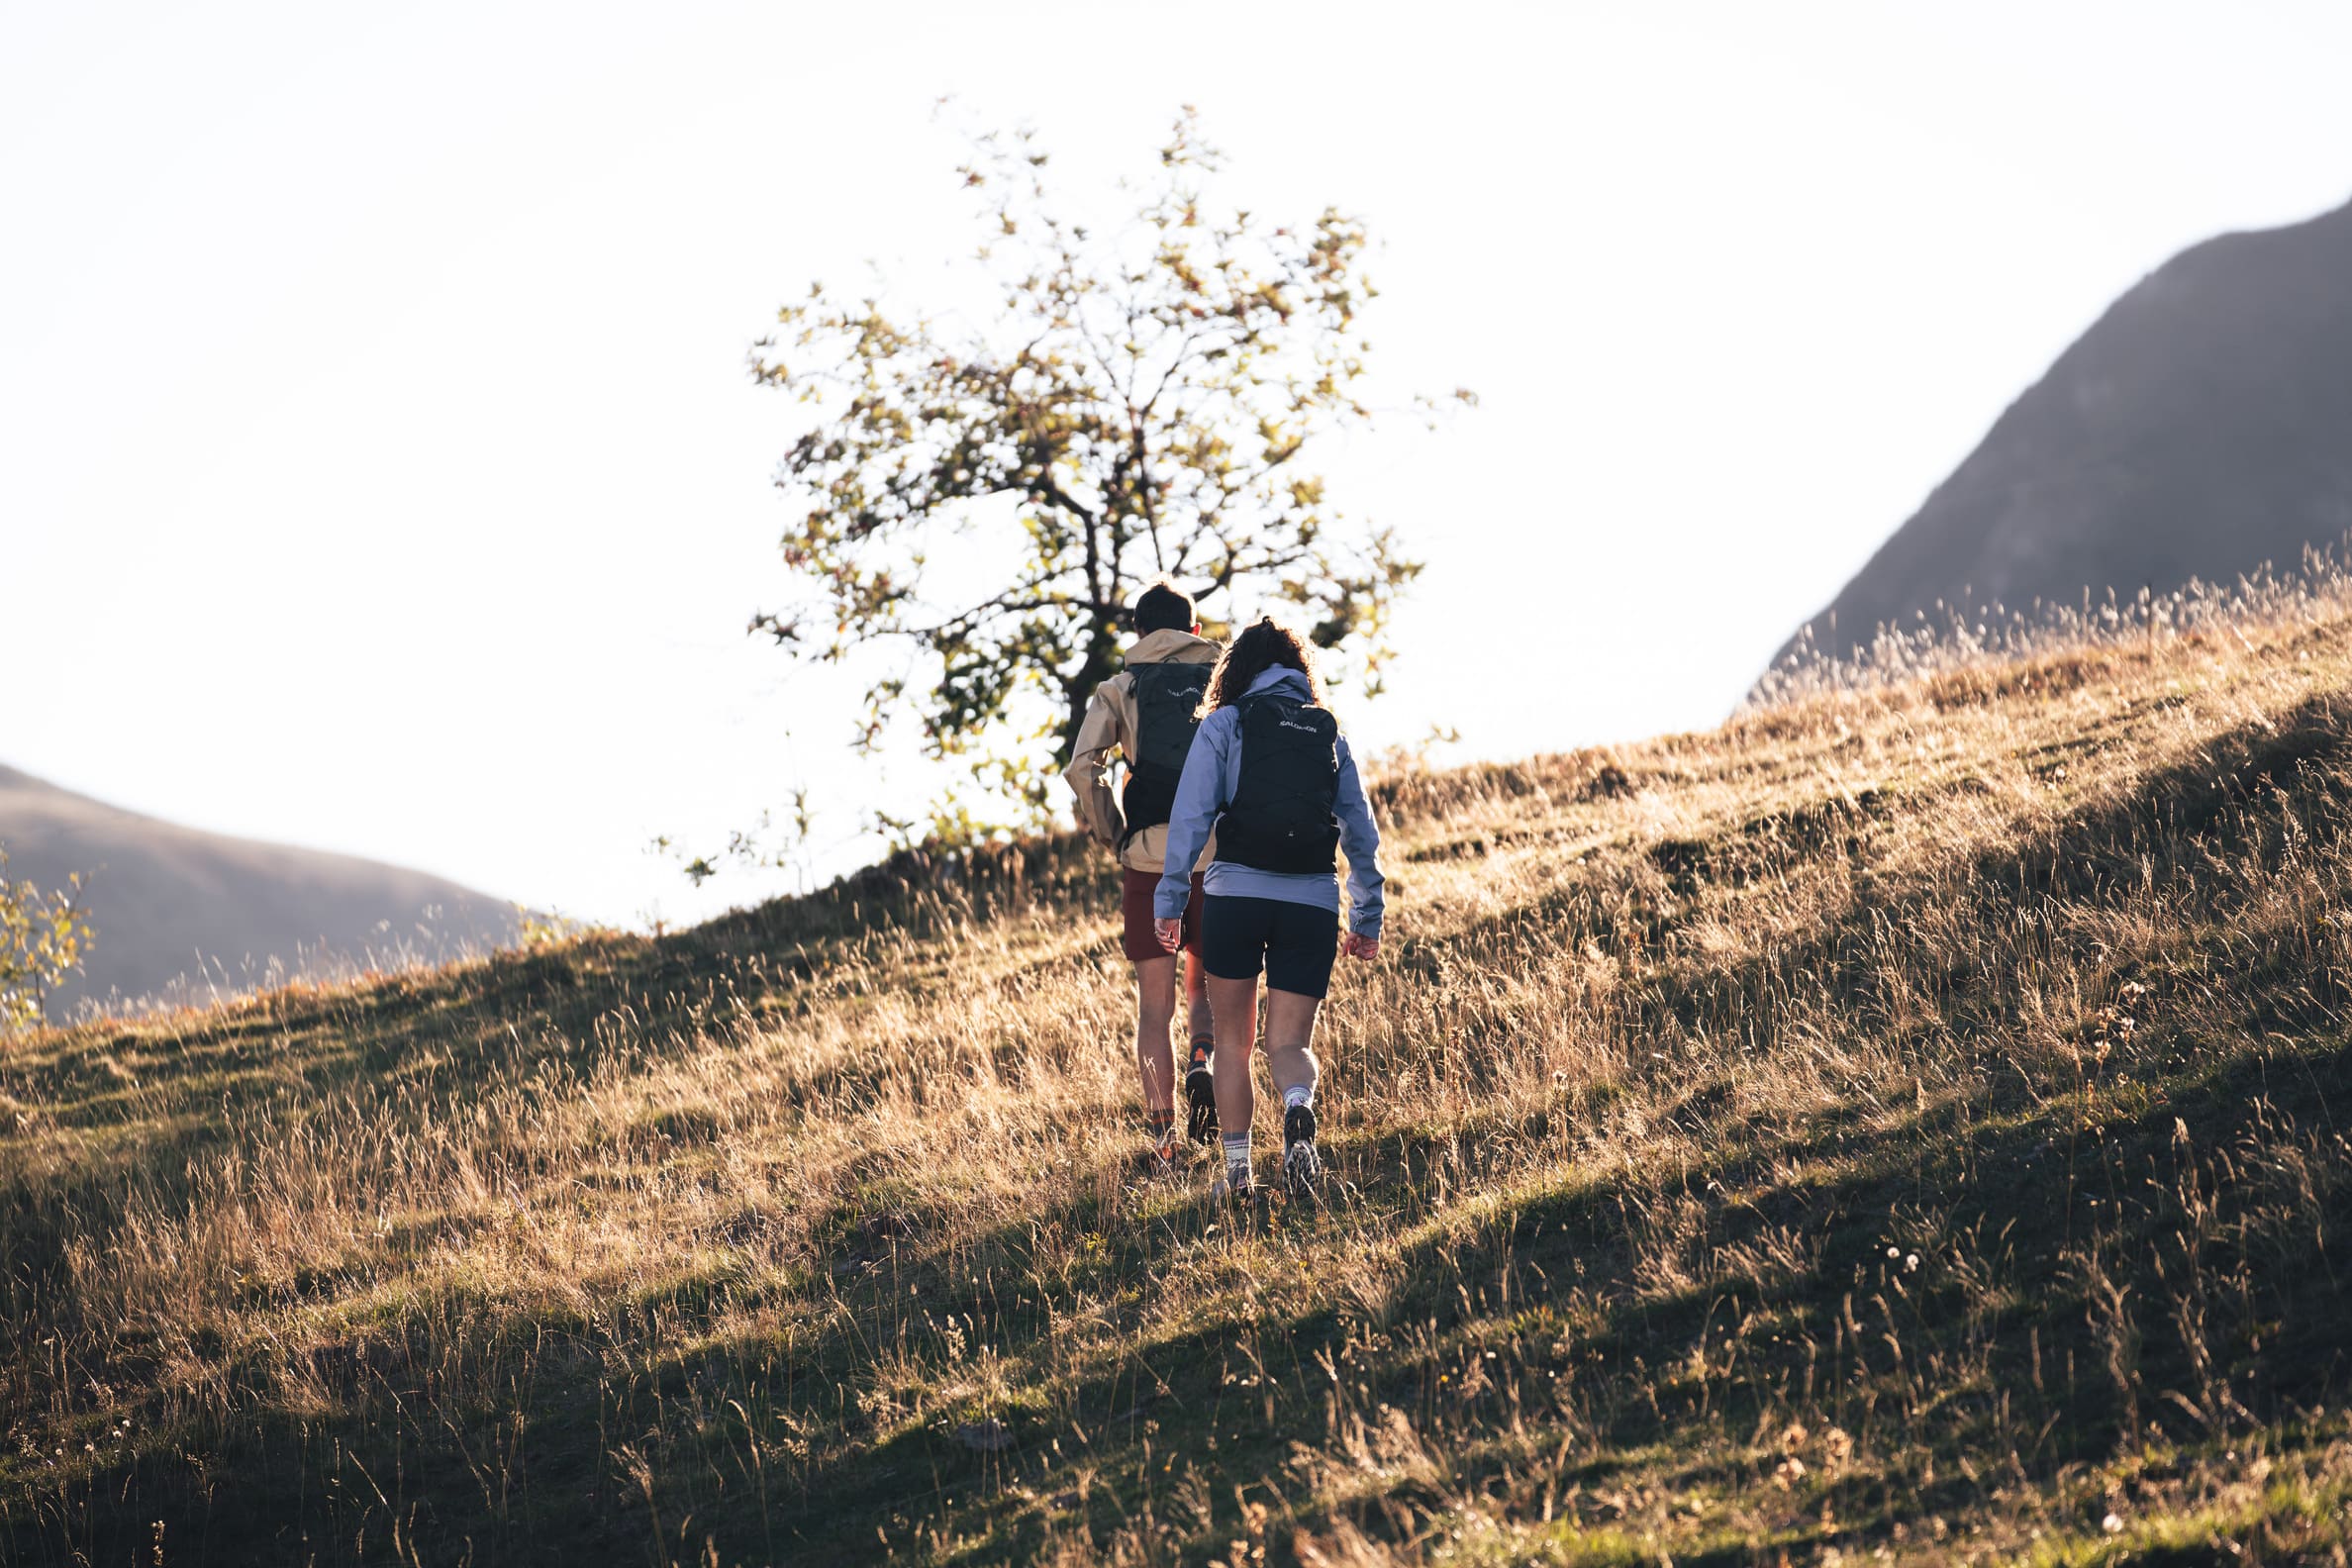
(1135, 890)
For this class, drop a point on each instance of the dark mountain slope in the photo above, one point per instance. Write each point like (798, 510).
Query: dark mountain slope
(2201, 427)
(161, 895)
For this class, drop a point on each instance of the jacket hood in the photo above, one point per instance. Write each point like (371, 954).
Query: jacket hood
(1173, 647)
(1280, 676)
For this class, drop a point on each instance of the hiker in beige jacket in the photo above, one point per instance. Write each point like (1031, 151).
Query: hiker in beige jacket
(1145, 716)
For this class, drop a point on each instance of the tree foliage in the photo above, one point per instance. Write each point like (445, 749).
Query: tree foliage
(1141, 400)
(43, 937)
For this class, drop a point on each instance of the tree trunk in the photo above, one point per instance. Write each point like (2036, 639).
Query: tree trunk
(1102, 657)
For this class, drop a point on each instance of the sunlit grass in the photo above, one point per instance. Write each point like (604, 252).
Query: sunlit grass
(1900, 1120)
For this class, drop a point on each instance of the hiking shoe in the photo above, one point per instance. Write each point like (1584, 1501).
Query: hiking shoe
(1303, 1172)
(1231, 1189)
(1159, 1155)
(1302, 1166)
(1200, 1099)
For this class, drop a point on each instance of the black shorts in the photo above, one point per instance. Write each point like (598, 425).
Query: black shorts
(1296, 943)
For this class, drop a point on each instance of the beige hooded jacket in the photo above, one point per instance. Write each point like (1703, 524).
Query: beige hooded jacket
(1109, 726)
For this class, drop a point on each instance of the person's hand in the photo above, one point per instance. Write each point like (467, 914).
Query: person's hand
(1364, 948)
(1170, 932)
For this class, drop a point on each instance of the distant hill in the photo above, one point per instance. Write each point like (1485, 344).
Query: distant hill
(163, 894)
(2201, 427)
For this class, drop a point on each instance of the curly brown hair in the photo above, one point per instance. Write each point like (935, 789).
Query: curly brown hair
(1260, 647)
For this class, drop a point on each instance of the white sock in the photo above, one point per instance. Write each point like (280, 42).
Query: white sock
(1236, 1147)
(1298, 1095)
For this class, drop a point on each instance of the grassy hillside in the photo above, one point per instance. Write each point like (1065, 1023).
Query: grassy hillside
(1904, 1122)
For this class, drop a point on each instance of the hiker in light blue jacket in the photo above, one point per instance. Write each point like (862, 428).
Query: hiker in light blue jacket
(1271, 773)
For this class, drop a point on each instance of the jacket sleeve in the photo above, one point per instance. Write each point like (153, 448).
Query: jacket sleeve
(1200, 796)
(1088, 772)
(1359, 836)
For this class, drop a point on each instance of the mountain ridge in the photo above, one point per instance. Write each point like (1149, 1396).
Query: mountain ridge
(2192, 432)
(182, 909)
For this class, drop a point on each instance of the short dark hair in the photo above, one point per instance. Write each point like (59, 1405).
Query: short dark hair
(1163, 606)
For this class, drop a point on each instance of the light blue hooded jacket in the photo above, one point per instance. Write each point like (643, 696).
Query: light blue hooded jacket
(1212, 776)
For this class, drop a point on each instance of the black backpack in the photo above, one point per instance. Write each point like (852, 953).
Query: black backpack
(1166, 698)
(1281, 817)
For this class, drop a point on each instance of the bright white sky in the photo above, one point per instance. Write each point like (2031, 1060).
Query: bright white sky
(378, 470)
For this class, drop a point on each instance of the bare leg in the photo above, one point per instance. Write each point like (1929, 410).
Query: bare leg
(1234, 1002)
(1155, 1009)
(1196, 997)
(1290, 1034)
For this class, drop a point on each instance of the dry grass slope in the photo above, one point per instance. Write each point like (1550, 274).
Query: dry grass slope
(1897, 1122)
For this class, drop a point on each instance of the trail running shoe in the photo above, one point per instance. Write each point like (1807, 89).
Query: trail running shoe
(1158, 1155)
(1302, 1166)
(1232, 1188)
(1200, 1098)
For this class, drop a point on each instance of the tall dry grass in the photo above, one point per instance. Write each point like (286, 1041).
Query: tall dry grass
(1899, 1121)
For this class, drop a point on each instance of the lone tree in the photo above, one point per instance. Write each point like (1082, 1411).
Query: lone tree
(1141, 402)
(43, 937)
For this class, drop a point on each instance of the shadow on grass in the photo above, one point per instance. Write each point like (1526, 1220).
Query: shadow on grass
(426, 1441)
(529, 1465)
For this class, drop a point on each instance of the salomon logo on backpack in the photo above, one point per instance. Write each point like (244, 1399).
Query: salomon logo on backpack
(1283, 815)
(1166, 698)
